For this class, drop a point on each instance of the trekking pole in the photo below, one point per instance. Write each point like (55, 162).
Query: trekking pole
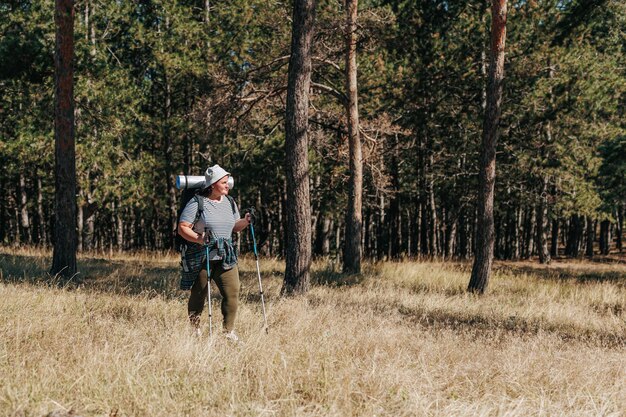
(208, 273)
(258, 270)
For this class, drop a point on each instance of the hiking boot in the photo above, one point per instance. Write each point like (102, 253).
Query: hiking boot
(232, 337)
(194, 321)
(195, 331)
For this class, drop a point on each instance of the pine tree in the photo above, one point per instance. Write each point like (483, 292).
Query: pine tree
(64, 254)
(354, 216)
(298, 231)
(485, 233)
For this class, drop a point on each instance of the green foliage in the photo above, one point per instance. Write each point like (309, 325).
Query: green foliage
(167, 87)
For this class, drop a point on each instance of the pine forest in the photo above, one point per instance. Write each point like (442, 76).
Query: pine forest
(169, 87)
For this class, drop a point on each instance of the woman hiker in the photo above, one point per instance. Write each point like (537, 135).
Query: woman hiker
(218, 219)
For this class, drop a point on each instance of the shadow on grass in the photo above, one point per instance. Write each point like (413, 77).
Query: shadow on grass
(429, 288)
(123, 277)
(558, 272)
(480, 325)
(331, 278)
(100, 275)
(327, 272)
(326, 277)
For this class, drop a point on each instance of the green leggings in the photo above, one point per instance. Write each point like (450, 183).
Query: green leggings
(228, 284)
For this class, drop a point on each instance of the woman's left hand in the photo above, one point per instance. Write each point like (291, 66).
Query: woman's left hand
(242, 223)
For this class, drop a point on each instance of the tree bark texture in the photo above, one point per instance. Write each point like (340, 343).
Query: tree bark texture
(432, 237)
(542, 224)
(354, 217)
(574, 236)
(483, 260)
(542, 209)
(554, 245)
(43, 235)
(382, 235)
(80, 226)
(605, 237)
(298, 206)
(24, 217)
(393, 213)
(591, 235)
(64, 254)
(619, 228)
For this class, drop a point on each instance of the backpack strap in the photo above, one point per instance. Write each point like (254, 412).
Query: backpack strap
(200, 201)
(232, 203)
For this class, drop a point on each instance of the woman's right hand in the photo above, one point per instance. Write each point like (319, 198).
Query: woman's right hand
(186, 231)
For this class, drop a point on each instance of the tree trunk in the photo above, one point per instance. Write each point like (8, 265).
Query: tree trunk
(499, 239)
(605, 239)
(574, 236)
(298, 232)
(619, 228)
(338, 239)
(15, 221)
(542, 208)
(463, 235)
(433, 241)
(24, 217)
(64, 254)
(369, 230)
(542, 224)
(282, 214)
(354, 216)
(511, 232)
(423, 196)
(529, 241)
(3, 217)
(43, 235)
(393, 216)
(326, 229)
(143, 231)
(451, 230)
(382, 230)
(414, 228)
(554, 246)
(89, 214)
(80, 226)
(481, 270)
(424, 226)
(519, 233)
(131, 229)
(591, 235)
(406, 232)
(119, 237)
(169, 168)
(377, 238)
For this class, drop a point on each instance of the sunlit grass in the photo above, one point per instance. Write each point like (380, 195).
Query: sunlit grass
(401, 339)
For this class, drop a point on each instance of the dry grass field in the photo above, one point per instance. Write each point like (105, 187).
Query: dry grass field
(404, 339)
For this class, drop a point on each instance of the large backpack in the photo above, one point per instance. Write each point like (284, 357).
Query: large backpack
(180, 243)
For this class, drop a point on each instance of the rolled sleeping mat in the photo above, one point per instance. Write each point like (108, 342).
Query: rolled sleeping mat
(184, 182)
(189, 181)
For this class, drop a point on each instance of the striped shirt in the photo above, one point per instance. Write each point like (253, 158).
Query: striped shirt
(217, 216)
